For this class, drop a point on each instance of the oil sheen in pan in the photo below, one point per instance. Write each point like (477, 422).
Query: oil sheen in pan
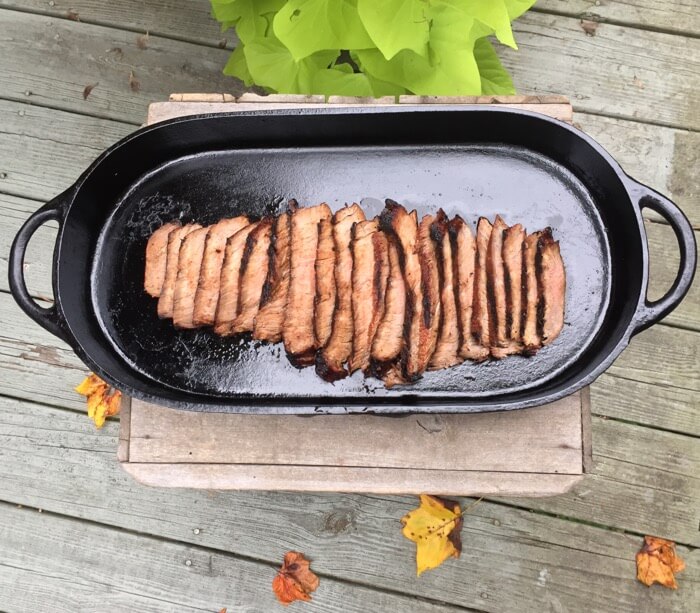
(471, 180)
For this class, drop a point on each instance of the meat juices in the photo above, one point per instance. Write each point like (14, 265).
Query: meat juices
(273, 302)
(552, 286)
(447, 349)
(530, 336)
(253, 273)
(324, 304)
(330, 359)
(480, 307)
(298, 332)
(157, 258)
(207, 295)
(175, 238)
(187, 279)
(227, 307)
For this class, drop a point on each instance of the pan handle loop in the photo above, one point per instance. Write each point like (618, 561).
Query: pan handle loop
(651, 312)
(49, 318)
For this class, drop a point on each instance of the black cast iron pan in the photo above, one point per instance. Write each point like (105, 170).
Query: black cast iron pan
(473, 161)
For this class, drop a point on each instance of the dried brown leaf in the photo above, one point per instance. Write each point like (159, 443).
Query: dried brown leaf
(295, 580)
(134, 83)
(73, 15)
(589, 27)
(657, 562)
(88, 90)
(142, 41)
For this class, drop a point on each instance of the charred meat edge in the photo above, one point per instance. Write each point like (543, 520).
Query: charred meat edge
(552, 287)
(252, 276)
(298, 331)
(207, 296)
(330, 359)
(157, 258)
(447, 349)
(175, 238)
(227, 307)
(324, 303)
(403, 227)
(388, 340)
(270, 319)
(530, 335)
(481, 320)
(464, 259)
(189, 264)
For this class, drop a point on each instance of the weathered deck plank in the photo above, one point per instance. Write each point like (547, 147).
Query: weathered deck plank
(67, 467)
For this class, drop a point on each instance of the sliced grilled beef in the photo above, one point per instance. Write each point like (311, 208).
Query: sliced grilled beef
(403, 227)
(207, 295)
(270, 318)
(447, 349)
(229, 286)
(188, 266)
(481, 319)
(388, 339)
(530, 335)
(370, 270)
(253, 272)
(430, 287)
(552, 287)
(157, 258)
(464, 258)
(330, 359)
(496, 285)
(175, 238)
(298, 331)
(324, 304)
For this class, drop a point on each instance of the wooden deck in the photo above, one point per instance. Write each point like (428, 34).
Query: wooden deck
(77, 534)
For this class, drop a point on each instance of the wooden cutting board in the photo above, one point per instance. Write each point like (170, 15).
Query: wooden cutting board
(534, 452)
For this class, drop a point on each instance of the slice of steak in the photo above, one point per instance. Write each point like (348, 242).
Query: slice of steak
(330, 360)
(298, 330)
(530, 336)
(551, 278)
(167, 293)
(496, 285)
(157, 258)
(324, 304)
(370, 270)
(253, 272)
(229, 286)
(447, 349)
(481, 320)
(430, 288)
(270, 318)
(207, 295)
(464, 258)
(188, 267)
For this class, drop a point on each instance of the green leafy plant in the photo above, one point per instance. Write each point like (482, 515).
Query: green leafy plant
(371, 47)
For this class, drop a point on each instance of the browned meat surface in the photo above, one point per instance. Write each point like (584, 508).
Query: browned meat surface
(188, 266)
(430, 287)
(270, 319)
(403, 227)
(157, 258)
(298, 331)
(388, 339)
(207, 296)
(496, 285)
(464, 258)
(481, 317)
(513, 263)
(530, 335)
(167, 293)
(253, 273)
(330, 359)
(552, 284)
(229, 286)
(325, 283)
(370, 271)
(447, 349)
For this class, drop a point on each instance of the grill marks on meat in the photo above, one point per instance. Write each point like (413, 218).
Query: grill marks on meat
(229, 287)
(187, 279)
(167, 293)
(330, 359)
(447, 349)
(324, 303)
(254, 266)
(298, 331)
(207, 296)
(273, 302)
(157, 258)
(530, 335)
(481, 320)
(370, 270)
(552, 287)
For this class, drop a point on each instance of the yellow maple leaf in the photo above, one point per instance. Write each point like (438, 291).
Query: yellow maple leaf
(435, 528)
(101, 402)
(657, 562)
